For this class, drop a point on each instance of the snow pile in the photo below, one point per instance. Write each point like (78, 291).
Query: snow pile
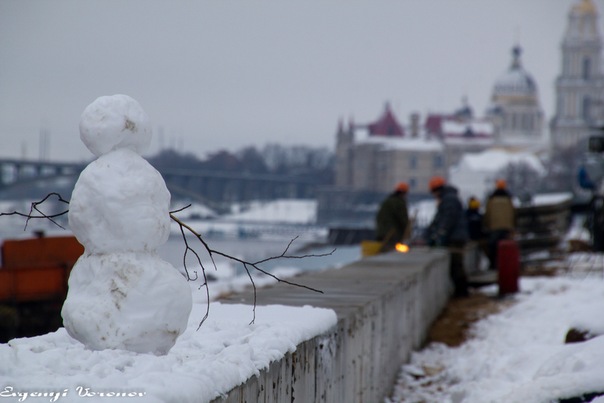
(121, 293)
(551, 199)
(475, 174)
(518, 355)
(291, 211)
(494, 160)
(202, 365)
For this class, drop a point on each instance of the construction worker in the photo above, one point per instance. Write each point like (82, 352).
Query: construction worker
(392, 218)
(498, 220)
(449, 229)
(474, 220)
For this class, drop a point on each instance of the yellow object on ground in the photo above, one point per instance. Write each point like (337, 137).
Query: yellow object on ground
(370, 248)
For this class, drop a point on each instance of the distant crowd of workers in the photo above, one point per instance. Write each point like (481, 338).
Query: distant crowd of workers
(452, 225)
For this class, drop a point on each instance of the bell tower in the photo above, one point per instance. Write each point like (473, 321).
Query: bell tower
(344, 154)
(580, 86)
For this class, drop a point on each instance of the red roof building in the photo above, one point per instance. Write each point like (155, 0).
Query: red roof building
(434, 125)
(386, 125)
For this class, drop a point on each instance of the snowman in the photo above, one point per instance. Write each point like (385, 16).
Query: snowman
(122, 295)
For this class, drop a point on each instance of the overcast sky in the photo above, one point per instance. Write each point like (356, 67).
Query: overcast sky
(228, 74)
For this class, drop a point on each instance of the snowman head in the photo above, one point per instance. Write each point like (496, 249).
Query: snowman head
(113, 122)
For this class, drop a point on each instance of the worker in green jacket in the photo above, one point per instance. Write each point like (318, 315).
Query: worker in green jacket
(392, 218)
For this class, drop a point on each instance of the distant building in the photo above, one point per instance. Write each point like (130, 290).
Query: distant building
(580, 86)
(370, 160)
(515, 110)
(460, 132)
(385, 155)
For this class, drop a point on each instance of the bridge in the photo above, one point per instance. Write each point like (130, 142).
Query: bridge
(213, 188)
(16, 171)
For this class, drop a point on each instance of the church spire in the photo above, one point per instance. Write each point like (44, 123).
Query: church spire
(516, 52)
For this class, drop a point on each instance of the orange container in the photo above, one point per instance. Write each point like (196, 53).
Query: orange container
(41, 252)
(37, 269)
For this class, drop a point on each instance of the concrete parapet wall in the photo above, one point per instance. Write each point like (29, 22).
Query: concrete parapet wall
(384, 305)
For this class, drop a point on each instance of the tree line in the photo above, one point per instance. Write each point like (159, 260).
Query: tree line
(316, 164)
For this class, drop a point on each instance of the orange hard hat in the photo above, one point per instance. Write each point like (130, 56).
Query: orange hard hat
(402, 187)
(436, 182)
(500, 184)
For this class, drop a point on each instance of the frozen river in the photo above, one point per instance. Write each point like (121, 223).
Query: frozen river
(250, 242)
(253, 250)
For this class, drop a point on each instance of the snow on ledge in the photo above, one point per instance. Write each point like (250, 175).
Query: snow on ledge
(549, 199)
(203, 364)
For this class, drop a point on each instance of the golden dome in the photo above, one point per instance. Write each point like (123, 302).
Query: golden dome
(585, 7)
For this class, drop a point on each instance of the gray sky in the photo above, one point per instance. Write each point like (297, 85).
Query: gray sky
(227, 74)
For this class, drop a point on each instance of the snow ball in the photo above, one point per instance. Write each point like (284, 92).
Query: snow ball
(131, 301)
(113, 122)
(120, 203)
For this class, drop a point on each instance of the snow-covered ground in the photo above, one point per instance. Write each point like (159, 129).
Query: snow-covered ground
(519, 354)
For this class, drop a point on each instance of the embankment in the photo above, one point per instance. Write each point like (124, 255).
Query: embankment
(384, 305)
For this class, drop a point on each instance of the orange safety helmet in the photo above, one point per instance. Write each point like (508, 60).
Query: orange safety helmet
(500, 184)
(436, 182)
(402, 187)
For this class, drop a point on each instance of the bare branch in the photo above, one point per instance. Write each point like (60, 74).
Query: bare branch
(246, 265)
(180, 209)
(282, 256)
(254, 288)
(34, 206)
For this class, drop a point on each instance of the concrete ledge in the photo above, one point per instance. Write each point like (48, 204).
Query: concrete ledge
(384, 305)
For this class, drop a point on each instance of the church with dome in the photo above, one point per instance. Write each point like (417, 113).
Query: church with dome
(515, 110)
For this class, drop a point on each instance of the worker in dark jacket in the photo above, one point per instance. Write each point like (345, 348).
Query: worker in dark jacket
(392, 218)
(476, 233)
(449, 229)
(474, 220)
